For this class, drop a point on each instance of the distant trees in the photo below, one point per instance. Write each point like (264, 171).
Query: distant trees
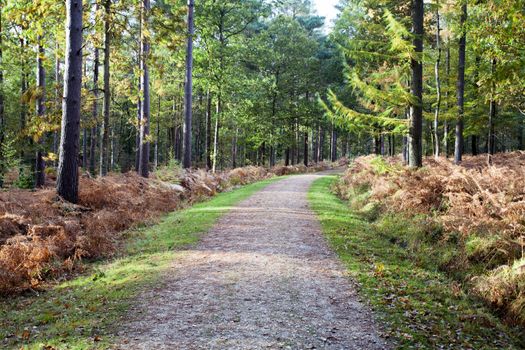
(477, 89)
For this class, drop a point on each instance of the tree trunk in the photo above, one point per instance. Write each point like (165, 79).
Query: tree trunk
(445, 122)
(320, 150)
(216, 134)
(491, 139)
(94, 131)
(2, 108)
(67, 181)
(305, 151)
(334, 145)
(58, 100)
(188, 90)
(107, 90)
(474, 145)
(40, 165)
(208, 131)
(458, 146)
(144, 85)
(415, 157)
(438, 87)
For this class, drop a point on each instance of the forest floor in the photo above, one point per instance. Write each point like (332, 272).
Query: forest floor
(262, 277)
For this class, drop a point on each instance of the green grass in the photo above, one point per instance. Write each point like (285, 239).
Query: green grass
(82, 312)
(420, 307)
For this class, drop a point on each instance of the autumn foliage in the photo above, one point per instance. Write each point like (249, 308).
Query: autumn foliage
(480, 209)
(42, 236)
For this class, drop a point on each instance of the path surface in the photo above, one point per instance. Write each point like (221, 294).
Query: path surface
(262, 278)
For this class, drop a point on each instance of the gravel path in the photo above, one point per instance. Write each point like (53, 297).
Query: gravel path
(262, 278)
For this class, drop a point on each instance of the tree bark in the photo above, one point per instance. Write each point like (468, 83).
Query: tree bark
(333, 156)
(305, 151)
(94, 131)
(145, 94)
(208, 131)
(40, 165)
(67, 181)
(188, 89)
(438, 87)
(2, 108)
(216, 135)
(445, 122)
(415, 157)
(491, 139)
(458, 146)
(104, 156)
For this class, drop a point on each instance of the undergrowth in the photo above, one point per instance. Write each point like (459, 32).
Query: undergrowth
(80, 313)
(402, 276)
(474, 210)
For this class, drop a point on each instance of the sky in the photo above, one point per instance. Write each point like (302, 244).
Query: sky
(326, 8)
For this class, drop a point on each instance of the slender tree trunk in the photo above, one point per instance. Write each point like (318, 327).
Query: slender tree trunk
(157, 138)
(188, 88)
(438, 87)
(58, 100)
(305, 151)
(145, 94)
(104, 148)
(320, 150)
(2, 108)
(334, 145)
(67, 182)
(491, 139)
(445, 122)
(208, 131)
(216, 135)
(93, 133)
(23, 89)
(40, 165)
(415, 158)
(458, 147)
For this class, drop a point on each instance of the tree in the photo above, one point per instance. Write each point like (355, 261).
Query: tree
(188, 91)
(104, 155)
(415, 156)
(458, 146)
(145, 92)
(67, 181)
(40, 165)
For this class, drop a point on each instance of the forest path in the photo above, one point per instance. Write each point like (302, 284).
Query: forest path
(262, 278)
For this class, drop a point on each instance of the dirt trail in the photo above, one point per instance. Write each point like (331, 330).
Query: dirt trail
(262, 278)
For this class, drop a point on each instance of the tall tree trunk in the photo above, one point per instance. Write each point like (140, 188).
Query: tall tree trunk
(320, 155)
(445, 122)
(415, 157)
(216, 134)
(93, 133)
(2, 108)
(333, 156)
(145, 110)
(305, 150)
(40, 165)
(438, 87)
(104, 160)
(188, 89)
(58, 100)
(157, 138)
(491, 139)
(458, 146)
(208, 131)
(67, 181)
(23, 89)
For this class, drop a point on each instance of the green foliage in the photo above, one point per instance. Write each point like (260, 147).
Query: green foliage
(26, 178)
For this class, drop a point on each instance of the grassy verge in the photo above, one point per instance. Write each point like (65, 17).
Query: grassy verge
(421, 307)
(80, 313)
